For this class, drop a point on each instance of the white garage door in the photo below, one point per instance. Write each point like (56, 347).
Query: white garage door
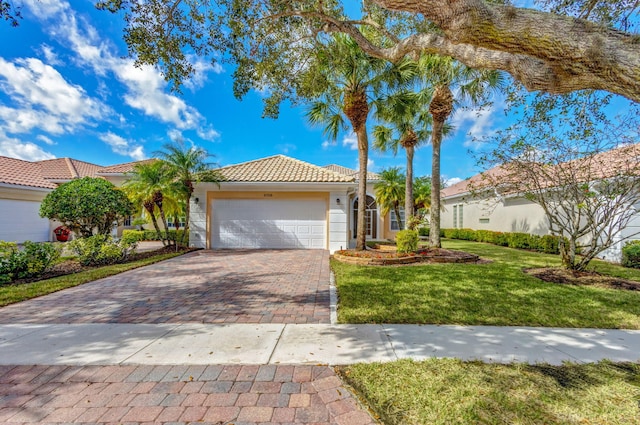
(20, 221)
(268, 223)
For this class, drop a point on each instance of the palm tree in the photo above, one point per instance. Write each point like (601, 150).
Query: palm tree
(186, 167)
(346, 81)
(422, 193)
(407, 124)
(390, 192)
(474, 86)
(147, 185)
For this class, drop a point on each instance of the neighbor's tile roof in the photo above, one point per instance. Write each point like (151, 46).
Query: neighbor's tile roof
(282, 168)
(23, 173)
(599, 166)
(351, 172)
(46, 174)
(123, 168)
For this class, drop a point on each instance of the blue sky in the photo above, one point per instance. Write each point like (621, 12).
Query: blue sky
(66, 90)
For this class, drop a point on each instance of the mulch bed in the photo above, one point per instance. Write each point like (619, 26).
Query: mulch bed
(590, 278)
(389, 257)
(73, 266)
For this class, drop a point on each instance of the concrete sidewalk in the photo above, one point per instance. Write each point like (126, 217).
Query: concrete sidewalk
(204, 344)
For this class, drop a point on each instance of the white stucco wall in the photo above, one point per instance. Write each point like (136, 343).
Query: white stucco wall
(506, 215)
(198, 216)
(338, 226)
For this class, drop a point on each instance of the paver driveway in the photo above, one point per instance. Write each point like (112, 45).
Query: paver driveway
(234, 286)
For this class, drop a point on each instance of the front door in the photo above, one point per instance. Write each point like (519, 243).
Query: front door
(371, 218)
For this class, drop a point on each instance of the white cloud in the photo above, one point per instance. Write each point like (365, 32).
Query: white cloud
(286, 148)
(477, 123)
(327, 144)
(207, 133)
(123, 146)
(46, 140)
(175, 135)
(28, 151)
(146, 88)
(44, 98)
(202, 68)
(50, 56)
(351, 141)
(451, 181)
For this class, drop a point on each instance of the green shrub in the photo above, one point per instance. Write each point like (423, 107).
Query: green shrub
(424, 232)
(407, 241)
(549, 244)
(152, 235)
(102, 250)
(133, 235)
(522, 241)
(631, 254)
(32, 260)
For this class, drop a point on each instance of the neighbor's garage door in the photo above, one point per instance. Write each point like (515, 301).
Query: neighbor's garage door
(20, 221)
(268, 223)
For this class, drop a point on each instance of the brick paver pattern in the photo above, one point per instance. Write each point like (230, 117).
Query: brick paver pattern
(216, 394)
(234, 286)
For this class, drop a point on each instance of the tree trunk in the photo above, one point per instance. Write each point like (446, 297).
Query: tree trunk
(363, 158)
(187, 211)
(434, 216)
(149, 206)
(408, 193)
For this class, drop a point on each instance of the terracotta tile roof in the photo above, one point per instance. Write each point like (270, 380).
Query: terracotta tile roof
(599, 166)
(67, 169)
(123, 168)
(351, 172)
(281, 168)
(23, 173)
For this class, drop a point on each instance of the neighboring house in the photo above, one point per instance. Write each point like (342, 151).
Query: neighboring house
(468, 204)
(282, 202)
(24, 184)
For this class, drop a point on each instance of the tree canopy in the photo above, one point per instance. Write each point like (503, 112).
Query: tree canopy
(87, 206)
(564, 46)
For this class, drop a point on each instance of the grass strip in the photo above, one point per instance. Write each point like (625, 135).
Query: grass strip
(450, 391)
(498, 293)
(10, 294)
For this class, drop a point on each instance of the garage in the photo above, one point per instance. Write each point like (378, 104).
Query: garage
(21, 221)
(269, 223)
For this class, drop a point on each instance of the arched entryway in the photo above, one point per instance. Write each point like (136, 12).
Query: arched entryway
(371, 218)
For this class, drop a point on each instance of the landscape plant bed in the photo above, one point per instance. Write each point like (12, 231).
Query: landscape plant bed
(71, 266)
(387, 256)
(586, 278)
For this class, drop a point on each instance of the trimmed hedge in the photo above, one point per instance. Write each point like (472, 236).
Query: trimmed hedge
(548, 244)
(151, 235)
(407, 241)
(631, 254)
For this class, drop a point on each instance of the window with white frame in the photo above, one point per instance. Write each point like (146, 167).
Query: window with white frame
(127, 221)
(393, 220)
(172, 225)
(458, 216)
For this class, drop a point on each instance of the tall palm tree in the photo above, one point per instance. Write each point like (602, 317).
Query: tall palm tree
(406, 123)
(147, 185)
(390, 192)
(472, 86)
(346, 82)
(187, 165)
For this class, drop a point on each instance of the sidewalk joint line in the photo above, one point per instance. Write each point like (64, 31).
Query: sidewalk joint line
(179, 325)
(386, 334)
(275, 347)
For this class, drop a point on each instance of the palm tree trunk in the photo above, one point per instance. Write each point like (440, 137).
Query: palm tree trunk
(150, 207)
(187, 211)
(363, 158)
(434, 216)
(408, 193)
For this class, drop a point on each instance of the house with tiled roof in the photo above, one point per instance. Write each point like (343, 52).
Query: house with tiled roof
(24, 184)
(282, 202)
(491, 200)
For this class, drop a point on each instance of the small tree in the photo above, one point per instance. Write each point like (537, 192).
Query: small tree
(567, 157)
(87, 206)
(390, 192)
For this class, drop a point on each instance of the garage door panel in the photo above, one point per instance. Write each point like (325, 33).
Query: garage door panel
(21, 221)
(268, 223)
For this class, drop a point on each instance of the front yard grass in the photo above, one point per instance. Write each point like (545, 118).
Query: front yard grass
(497, 293)
(10, 294)
(449, 391)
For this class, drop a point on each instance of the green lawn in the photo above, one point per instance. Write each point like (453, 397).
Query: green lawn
(448, 391)
(498, 293)
(10, 294)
